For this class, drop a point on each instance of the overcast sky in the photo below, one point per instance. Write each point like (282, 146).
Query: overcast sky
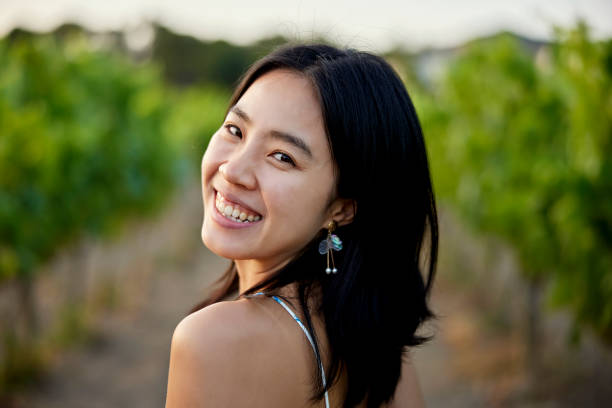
(371, 24)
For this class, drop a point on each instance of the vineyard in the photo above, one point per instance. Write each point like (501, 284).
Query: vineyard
(521, 146)
(89, 142)
(92, 142)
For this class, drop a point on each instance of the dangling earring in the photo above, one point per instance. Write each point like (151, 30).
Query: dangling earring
(330, 244)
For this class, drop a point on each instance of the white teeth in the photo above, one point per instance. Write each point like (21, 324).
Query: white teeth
(233, 213)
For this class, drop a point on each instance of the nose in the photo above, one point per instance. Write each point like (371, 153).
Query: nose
(238, 170)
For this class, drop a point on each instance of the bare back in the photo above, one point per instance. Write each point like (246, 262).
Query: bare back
(252, 352)
(408, 392)
(297, 350)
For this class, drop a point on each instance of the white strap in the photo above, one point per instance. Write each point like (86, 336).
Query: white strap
(297, 319)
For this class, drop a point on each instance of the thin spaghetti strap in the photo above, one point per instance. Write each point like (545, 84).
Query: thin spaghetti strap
(297, 319)
(305, 330)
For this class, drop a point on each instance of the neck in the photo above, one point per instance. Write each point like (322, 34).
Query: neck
(253, 271)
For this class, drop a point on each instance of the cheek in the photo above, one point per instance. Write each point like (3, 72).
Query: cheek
(211, 156)
(299, 201)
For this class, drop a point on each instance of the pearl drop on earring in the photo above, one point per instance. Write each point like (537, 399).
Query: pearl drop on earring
(330, 244)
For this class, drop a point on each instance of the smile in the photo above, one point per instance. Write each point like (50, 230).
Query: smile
(233, 211)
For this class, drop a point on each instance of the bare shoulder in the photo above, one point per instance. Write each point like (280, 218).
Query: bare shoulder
(408, 392)
(216, 351)
(228, 321)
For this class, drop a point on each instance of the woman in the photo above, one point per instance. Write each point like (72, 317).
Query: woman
(317, 187)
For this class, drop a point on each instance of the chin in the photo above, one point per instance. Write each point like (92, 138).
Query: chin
(205, 236)
(219, 249)
(225, 253)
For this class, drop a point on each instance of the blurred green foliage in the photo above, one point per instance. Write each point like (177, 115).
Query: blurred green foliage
(521, 145)
(188, 61)
(196, 114)
(87, 140)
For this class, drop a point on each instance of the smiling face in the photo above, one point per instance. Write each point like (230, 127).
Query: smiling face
(275, 160)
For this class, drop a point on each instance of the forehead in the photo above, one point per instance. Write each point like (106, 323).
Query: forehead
(285, 101)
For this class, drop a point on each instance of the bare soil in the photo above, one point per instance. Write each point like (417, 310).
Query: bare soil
(466, 365)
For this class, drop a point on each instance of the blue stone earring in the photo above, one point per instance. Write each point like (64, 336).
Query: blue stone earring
(330, 244)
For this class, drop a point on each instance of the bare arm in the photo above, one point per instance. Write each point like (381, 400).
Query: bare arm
(206, 360)
(190, 365)
(220, 357)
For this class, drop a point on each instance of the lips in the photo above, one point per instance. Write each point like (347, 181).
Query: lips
(231, 199)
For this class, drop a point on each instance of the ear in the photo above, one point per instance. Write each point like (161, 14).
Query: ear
(342, 210)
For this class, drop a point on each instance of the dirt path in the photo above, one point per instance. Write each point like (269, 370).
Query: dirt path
(127, 363)
(442, 385)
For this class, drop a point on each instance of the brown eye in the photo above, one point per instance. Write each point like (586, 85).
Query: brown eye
(286, 159)
(229, 128)
(235, 131)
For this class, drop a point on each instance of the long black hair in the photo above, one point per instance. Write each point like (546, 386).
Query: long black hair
(374, 305)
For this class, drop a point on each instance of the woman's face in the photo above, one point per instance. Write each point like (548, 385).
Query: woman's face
(271, 155)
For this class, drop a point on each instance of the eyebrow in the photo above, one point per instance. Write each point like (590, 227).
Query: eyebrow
(277, 134)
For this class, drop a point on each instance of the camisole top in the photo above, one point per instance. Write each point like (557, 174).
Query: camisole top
(297, 319)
